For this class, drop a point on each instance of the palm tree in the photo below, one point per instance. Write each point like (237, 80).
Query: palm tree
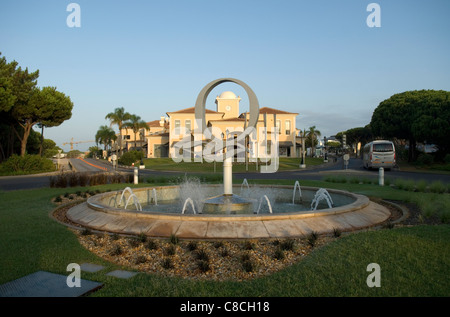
(312, 135)
(105, 135)
(135, 123)
(119, 116)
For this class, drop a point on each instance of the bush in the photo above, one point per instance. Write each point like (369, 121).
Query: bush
(437, 187)
(421, 186)
(447, 158)
(27, 164)
(115, 250)
(131, 157)
(279, 254)
(203, 266)
(424, 159)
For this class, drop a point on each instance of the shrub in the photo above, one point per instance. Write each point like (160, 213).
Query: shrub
(337, 232)
(134, 242)
(59, 180)
(224, 252)
(248, 266)
(142, 237)
(312, 238)
(245, 257)
(151, 245)
(83, 179)
(86, 232)
(400, 183)
(72, 179)
(421, 186)
(138, 259)
(98, 179)
(409, 185)
(279, 254)
(424, 159)
(437, 187)
(115, 250)
(27, 164)
(288, 245)
(247, 263)
(170, 250)
(447, 158)
(192, 245)
(167, 263)
(202, 255)
(131, 157)
(248, 245)
(173, 239)
(203, 266)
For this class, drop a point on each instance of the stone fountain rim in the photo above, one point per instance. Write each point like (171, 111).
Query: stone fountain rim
(360, 202)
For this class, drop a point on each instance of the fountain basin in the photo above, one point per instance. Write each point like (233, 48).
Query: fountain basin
(351, 212)
(169, 203)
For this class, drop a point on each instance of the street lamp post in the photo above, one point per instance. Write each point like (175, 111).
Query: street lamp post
(325, 157)
(302, 137)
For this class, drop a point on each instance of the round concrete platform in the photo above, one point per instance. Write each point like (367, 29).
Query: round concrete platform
(371, 215)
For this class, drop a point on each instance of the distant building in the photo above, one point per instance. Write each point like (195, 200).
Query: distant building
(163, 134)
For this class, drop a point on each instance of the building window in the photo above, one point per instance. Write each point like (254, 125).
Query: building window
(187, 124)
(278, 126)
(288, 127)
(177, 127)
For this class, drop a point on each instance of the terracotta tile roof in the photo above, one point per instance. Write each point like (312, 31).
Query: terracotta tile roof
(192, 110)
(154, 123)
(274, 111)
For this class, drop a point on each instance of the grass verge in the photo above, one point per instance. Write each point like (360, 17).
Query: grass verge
(414, 261)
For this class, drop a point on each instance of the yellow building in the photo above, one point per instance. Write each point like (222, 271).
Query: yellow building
(179, 125)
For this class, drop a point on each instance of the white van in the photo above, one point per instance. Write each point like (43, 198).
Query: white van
(380, 153)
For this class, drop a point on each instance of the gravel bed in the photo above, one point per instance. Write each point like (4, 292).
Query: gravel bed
(200, 260)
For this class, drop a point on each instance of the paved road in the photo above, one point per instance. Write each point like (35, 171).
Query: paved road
(89, 165)
(354, 168)
(24, 182)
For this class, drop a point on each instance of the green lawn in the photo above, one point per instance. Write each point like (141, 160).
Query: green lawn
(414, 261)
(438, 168)
(167, 164)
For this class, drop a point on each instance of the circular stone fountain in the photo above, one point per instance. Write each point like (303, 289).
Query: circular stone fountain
(165, 212)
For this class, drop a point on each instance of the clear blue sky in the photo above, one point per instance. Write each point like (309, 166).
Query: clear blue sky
(317, 58)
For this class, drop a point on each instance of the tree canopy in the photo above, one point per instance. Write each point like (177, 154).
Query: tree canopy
(135, 123)
(416, 116)
(312, 135)
(23, 104)
(105, 135)
(118, 117)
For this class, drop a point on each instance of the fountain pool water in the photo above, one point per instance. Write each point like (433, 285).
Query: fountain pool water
(189, 197)
(131, 196)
